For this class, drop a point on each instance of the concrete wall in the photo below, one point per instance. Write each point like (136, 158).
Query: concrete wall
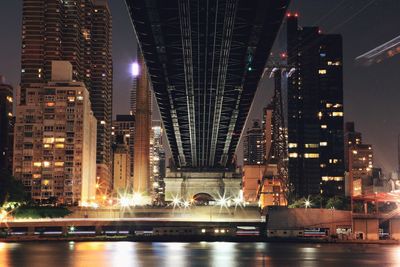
(366, 228)
(394, 229)
(185, 185)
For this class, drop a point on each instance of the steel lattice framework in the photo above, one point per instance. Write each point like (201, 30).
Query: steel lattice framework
(205, 59)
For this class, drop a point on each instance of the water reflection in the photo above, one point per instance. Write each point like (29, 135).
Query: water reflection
(225, 254)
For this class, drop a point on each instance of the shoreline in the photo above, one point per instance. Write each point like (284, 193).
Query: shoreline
(191, 239)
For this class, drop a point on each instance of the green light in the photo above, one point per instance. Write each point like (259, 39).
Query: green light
(72, 228)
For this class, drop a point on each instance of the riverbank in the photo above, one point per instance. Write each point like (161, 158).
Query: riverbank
(191, 239)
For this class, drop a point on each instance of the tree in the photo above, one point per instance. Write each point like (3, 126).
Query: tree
(11, 189)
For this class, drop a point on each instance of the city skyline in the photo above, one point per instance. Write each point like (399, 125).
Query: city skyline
(373, 25)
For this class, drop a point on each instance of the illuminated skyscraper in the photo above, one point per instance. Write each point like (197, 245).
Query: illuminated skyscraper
(78, 31)
(315, 111)
(141, 180)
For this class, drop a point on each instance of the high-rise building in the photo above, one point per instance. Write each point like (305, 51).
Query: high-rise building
(315, 111)
(124, 127)
(132, 100)
(253, 145)
(55, 137)
(121, 167)
(6, 125)
(157, 162)
(141, 180)
(78, 31)
(359, 162)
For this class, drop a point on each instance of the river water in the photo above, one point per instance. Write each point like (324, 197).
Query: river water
(225, 254)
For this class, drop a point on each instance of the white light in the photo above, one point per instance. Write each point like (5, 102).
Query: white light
(124, 201)
(135, 69)
(186, 204)
(203, 230)
(137, 199)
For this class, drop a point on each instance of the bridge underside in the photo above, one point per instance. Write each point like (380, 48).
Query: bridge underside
(205, 59)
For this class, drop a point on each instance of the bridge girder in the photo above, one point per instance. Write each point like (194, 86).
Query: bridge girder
(205, 59)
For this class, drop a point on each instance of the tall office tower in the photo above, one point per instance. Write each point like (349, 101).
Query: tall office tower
(267, 131)
(78, 31)
(141, 180)
(359, 162)
(6, 125)
(121, 167)
(55, 137)
(157, 161)
(315, 111)
(132, 103)
(253, 150)
(101, 87)
(124, 126)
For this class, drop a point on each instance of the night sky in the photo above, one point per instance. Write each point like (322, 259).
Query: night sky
(371, 94)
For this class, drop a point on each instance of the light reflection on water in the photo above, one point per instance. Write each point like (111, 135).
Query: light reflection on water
(101, 254)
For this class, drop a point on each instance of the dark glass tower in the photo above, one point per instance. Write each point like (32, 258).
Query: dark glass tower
(315, 111)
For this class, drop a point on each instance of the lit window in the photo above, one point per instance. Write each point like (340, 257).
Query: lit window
(37, 164)
(328, 105)
(46, 145)
(337, 105)
(323, 143)
(9, 99)
(293, 155)
(322, 71)
(323, 126)
(311, 145)
(59, 164)
(311, 155)
(60, 140)
(48, 140)
(292, 145)
(79, 97)
(36, 176)
(10, 114)
(71, 98)
(46, 164)
(320, 115)
(59, 145)
(337, 114)
(102, 122)
(50, 104)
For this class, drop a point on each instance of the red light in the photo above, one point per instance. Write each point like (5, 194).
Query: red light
(319, 31)
(296, 15)
(288, 15)
(283, 55)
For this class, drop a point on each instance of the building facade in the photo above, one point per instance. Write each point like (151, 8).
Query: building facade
(6, 125)
(141, 180)
(359, 162)
(121, 168)
(157, 163)
(78, 31)
(55, 140)
(315, 111)
(253, 145)
(124, 127)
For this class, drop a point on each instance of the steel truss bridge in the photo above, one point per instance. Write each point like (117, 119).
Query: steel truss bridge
(205, 59)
